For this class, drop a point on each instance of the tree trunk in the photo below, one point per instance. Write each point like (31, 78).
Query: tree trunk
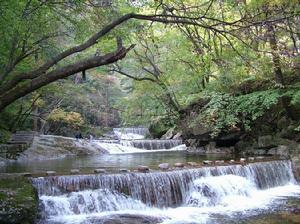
(278, 71)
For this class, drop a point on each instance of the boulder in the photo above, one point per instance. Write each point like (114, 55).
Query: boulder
(179, 165)
(126, 219)
(178, 135)
(99, 171)
(192, 164)
(27, 175)
(211, 147)
(74, 171)
(251, 159)
(169, 134)
(50, 173)
(164, 166)
(124, 170)
(283, 150)
(266, 142)
(207, 162)
(219, 162)
(283, 122)
(143, 169)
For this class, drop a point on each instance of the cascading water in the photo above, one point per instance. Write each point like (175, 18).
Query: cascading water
(179, 196)
(132, 140)
(131, 133)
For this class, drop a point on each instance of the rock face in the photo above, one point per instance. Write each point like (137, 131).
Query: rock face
(53, 147)
(18, 201)
(272, 145)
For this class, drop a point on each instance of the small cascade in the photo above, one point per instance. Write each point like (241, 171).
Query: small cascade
(169, 189)
(131, 133)
(186, 196)
(211, 191)
(152, 144)
(88, 202)
(131, 140)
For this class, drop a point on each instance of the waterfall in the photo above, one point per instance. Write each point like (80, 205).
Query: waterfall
(165, 194)
(131, 140)
(131, 133)
(152, 144)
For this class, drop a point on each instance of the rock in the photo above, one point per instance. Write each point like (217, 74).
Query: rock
(231, 161)
(242, 160)
(124, 170)
(266, 141)
(200, 130)
(211, 147)
(191, 142)
(99, 171)
(283, 150)
(219, 162)
(74, 171)
(179, 165)
(126, 219)
(158, 128)
(52, 147)
(283, 122)
(27, 175)
(251, 159)
(178, 135)
(259, 157)
(50, 173)
(192, 164)
(207, 162)
(144, 169)
(163, 166)
(245, 145)
(169, 134)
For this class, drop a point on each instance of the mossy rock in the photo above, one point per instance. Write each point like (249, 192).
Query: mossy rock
(18, 200)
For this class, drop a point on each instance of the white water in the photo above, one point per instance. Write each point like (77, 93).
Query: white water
(131, 133)
(208, 195)
(120, 148)
(132, 140)
(240, 196)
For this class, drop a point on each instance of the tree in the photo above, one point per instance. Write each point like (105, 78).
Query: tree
(16, 84)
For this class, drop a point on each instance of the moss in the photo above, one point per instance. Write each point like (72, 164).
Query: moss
(18, 200)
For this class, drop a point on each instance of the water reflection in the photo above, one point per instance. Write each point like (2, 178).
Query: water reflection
(87, 164)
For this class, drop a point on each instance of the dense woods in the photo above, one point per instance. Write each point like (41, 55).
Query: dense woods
(91, 65)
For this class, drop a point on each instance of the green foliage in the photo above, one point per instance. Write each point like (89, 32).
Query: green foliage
(225, 112)
(194, 63)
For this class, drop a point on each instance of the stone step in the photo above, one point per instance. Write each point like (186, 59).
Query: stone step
(22, 137)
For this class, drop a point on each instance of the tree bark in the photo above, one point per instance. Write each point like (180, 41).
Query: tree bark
(59, 73)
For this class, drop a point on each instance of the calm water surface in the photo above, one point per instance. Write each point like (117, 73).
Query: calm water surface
(112, 163)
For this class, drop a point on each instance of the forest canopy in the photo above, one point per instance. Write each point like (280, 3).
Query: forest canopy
(92, 64)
